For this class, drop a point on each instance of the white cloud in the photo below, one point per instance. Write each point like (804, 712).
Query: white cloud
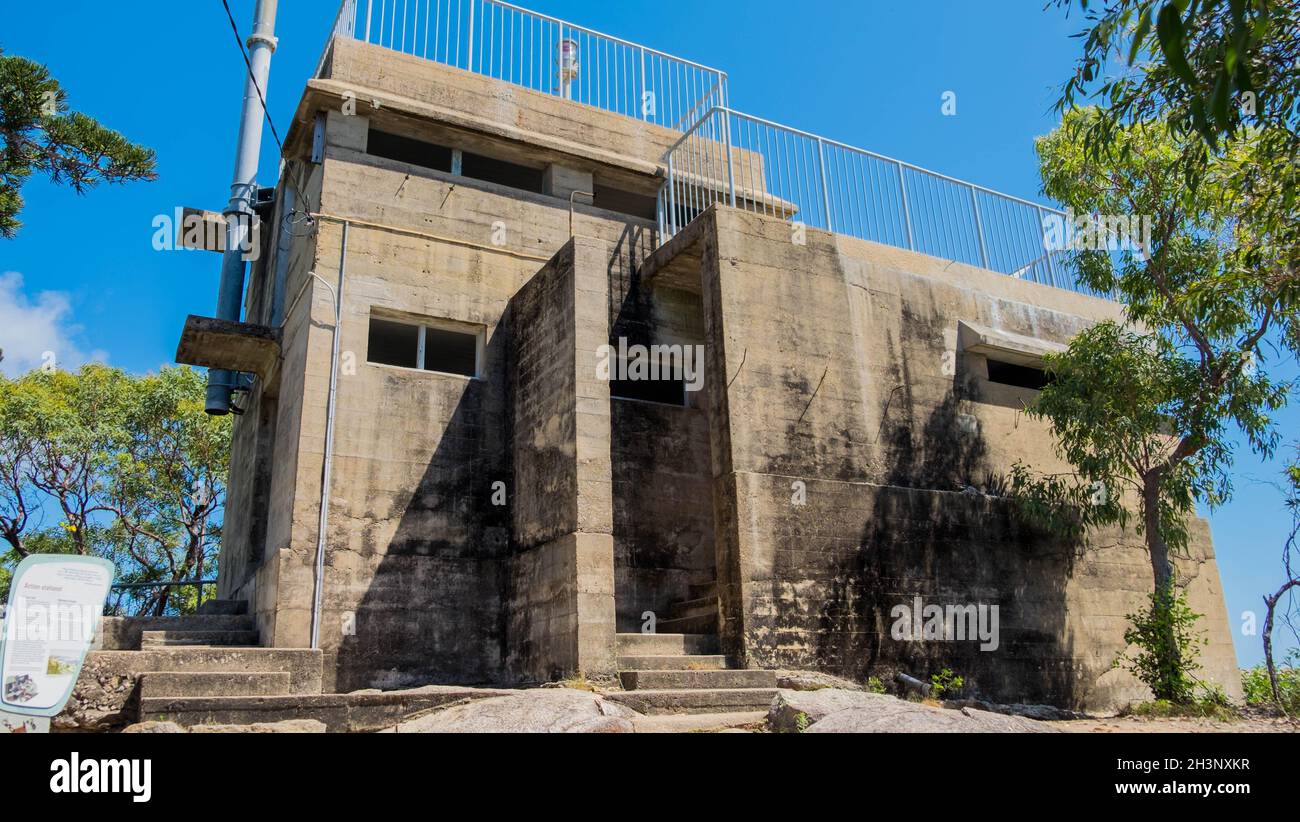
(37, 330)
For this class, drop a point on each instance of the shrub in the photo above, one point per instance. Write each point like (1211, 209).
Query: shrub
(1168, 647)
(945, 682)
(1254, 682)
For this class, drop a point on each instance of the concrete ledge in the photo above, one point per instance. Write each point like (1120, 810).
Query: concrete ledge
(362, 711)
(213, 343)
(1017, 349)
(125, 633)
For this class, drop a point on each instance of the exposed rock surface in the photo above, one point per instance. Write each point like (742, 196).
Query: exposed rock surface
(1045, 713)
(541, 710)
(154, 727)
(284, 726)
(100, 698)
(838, 711)
(287, 726)
(813, 681)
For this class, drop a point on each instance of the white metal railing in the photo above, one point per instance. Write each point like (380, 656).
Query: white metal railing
(765, 167)
(542, 53)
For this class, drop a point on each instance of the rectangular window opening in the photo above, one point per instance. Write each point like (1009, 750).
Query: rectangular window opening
(670, 391)
(624, 202)
(1021, 376)
(408, 150)
(501, 172)
(424, 346)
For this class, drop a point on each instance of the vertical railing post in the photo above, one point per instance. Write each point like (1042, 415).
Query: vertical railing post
(672, 199)
(731, 172)
(368, 7)
(645, 111)
(1051, 266)
(469, 60)
(907, 212)
(660, 208)
(826, 192)
(979, 228)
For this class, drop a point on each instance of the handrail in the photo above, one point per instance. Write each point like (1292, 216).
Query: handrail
(763, 166)
(540, 52)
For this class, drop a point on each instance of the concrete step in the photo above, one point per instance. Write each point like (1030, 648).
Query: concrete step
(124, 633)
(168, 639)
(696, 680)
(224, 607)
(702, 606)
(740, 721)
(303, 665)
(699, 624)
(358, 712)
(688, 662)
(704, 589)
(709, 701)
(666, 644)
(202, 683)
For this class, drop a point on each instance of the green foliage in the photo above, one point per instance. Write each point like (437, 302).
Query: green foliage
(1213, 78)
(128, 468)
(1193, 61)
(1211, 707)
(1168, 646)
(1255, 684)
(945, 682)
(801, 722)
(875, 686)
(38, 134)
(1143, 407)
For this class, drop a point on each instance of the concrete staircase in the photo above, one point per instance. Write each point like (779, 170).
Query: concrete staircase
(214, 653)
(679, 669)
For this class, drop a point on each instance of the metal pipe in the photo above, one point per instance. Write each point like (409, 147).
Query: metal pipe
(327, 463)
(243, 191)
(573, 194)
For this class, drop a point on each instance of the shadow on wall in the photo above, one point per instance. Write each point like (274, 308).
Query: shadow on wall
(660, 460)
(930, 531)
(433, 610)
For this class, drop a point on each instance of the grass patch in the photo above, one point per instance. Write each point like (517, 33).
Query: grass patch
(579, 683)
(1255, 685)
(1210, 708)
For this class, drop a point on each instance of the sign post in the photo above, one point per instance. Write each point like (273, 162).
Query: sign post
(56, 602)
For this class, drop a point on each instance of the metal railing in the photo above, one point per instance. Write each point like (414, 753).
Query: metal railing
(542, 53)
(129, 601)
(765, 167)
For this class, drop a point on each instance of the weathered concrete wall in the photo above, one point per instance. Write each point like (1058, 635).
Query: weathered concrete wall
(561, 606)
(663, 507)
(842, 374)
(661, 462)
(417, 556)
(255, 512)
(834, 364)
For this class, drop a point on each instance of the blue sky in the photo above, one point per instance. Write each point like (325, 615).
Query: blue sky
(871, 74)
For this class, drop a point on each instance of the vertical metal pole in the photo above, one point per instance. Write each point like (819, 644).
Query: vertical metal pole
(907, 212)
(979, 228)
(1051, 266)
(672, 198)
(368, 6)
(239, 212)
(731, 173)
(826, 194)
(659, 213)
(645, 111)
(327, 462)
